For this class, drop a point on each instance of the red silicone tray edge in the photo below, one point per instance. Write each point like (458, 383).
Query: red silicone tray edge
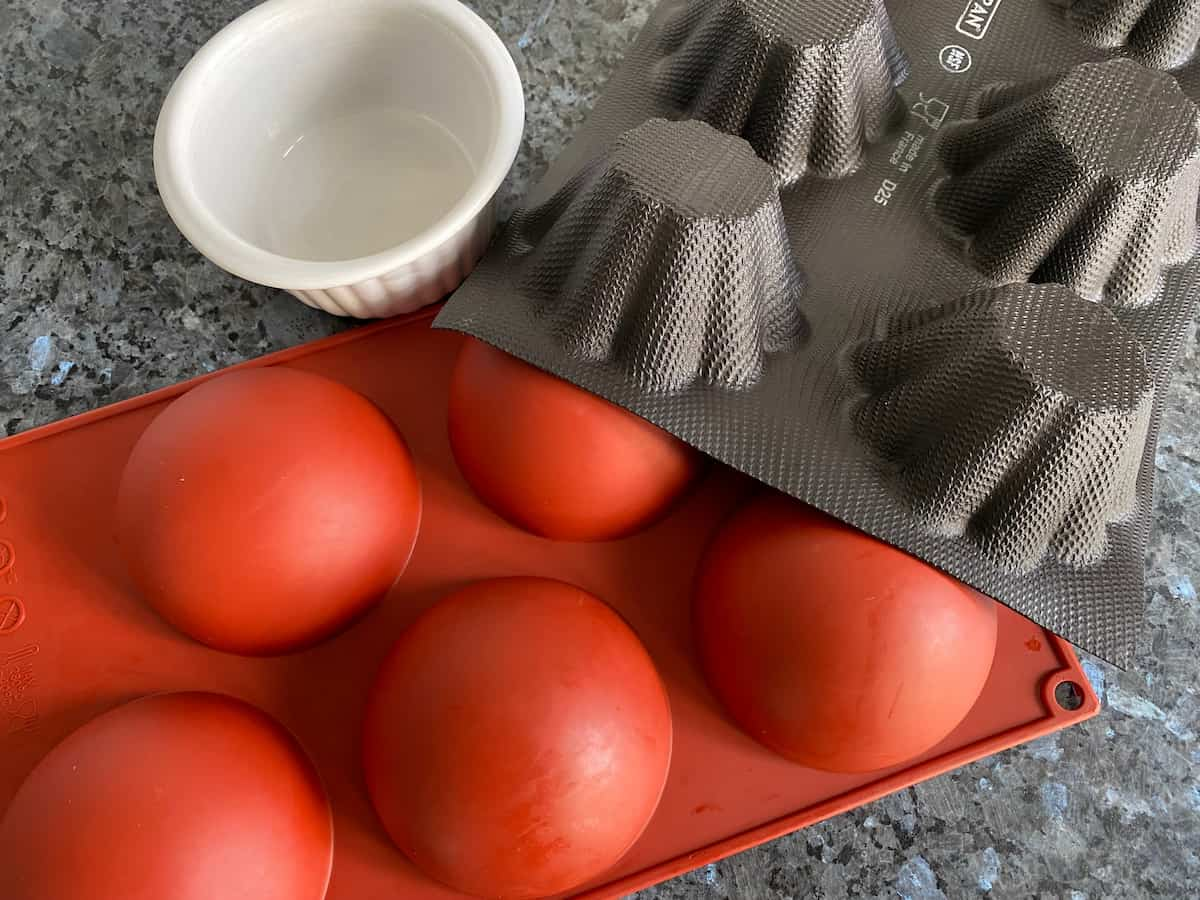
(1055, 717)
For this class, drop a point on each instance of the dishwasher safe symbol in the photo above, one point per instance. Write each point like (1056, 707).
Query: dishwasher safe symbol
(930, 110)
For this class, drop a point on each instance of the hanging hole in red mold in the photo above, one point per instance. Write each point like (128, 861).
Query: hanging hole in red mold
(1068, 695)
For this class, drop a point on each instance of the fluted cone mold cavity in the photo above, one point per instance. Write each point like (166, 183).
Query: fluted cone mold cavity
(1161, 34)
(671, 260)
(1015, 416)
(1089, 179)
(810, 85)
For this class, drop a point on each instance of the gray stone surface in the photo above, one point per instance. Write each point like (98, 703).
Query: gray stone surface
(101, 299)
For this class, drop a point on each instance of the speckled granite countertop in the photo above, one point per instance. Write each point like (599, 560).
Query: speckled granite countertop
(101, 299)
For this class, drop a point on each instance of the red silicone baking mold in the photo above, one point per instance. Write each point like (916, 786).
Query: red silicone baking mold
(75, 641)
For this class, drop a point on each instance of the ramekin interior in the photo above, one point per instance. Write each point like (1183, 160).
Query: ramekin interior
(311, 144)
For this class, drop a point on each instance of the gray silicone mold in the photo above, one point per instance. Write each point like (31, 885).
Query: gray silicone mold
(1161, 34)
(673, 262)
(808, 85)
(942, 308)
(1040, 448)
(1043, 187)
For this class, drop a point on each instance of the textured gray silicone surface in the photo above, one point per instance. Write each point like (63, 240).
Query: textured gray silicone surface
(926, 268)
(1159, 33)
(808, 85)
(1088, 178)
(672, 261)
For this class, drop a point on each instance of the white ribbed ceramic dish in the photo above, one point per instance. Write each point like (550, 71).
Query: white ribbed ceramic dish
(348, 152)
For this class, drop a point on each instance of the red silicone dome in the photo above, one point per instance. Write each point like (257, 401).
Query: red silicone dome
(554, 459)
(831, 647)
(265, 509)
(517, 739)
(180, 796)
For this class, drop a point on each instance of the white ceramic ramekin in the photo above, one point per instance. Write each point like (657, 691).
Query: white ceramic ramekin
(347, 152)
